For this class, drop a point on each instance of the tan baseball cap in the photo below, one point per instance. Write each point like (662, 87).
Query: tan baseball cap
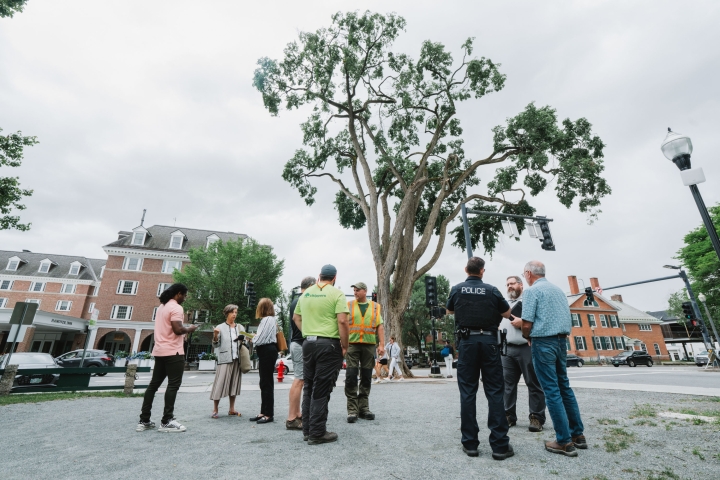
(359, 286)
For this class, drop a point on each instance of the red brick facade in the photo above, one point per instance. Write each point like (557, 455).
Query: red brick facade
(50, 296)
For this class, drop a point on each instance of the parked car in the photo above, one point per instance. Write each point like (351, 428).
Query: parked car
(574, 361)
(93, 359)
(409, 361)
(287, 362)
(701, 358)
(26, 360)
(632, 359)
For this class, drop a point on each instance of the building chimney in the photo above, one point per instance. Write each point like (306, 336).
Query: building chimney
(594, 283)
(616, 298)
(574, 289)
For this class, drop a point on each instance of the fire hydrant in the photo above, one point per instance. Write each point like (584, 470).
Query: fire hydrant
(281, 371)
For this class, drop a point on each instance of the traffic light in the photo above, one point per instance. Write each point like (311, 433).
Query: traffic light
(438, 312)
(250, 293)
(590, 296)
(374, 296)
(547, 241)
(689, 314)
(430, 291)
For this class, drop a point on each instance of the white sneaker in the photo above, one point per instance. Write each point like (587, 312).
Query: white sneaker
(142, 426)
(401, 379)
(376, 381)
(171, 427)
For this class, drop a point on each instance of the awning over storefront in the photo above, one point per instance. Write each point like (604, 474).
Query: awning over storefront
(45, 322)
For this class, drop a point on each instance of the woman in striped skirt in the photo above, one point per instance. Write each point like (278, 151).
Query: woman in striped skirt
(227, 376)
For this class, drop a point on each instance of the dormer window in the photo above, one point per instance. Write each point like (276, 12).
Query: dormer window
(44, 266)
(588, 304)
(75, 268)
(13, 264)
(211, 239)
(138, 238)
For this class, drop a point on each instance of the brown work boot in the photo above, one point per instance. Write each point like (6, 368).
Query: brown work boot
(535, 425)
(327, 437)
(580, 442)
(567, 450)
(295, 424)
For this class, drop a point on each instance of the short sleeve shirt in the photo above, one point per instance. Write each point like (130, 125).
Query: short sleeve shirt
(166, 342)
(295, 333)
(318, 307)
(546, 306)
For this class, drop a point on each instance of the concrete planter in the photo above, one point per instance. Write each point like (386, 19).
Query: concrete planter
(146, 363)
(134, 361)
(120, 362)
(207, 365)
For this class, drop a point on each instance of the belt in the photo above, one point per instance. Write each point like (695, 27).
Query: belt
(483, 332)
(314, 338)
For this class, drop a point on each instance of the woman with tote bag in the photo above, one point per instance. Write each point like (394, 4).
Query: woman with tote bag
(265, 343)
(228, 375)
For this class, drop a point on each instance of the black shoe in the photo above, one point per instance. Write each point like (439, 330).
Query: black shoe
(511, 422)
(471, 452)
(352, 418)
(367, 415)
(305, 438)
(326, 438)
(255, 419)
(265, 420)
(502, 456)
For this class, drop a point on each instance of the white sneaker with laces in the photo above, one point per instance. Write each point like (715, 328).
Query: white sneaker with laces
(401, 379)
(171, 427)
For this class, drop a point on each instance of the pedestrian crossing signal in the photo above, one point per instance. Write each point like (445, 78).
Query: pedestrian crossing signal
(430, 291)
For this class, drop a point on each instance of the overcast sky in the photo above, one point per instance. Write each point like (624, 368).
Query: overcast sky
(150, 104)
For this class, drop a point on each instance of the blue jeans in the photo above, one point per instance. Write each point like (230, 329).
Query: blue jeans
(549, 359)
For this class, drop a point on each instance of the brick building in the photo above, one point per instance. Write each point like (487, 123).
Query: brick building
(610, 326)
(139, 267)
(66, 290)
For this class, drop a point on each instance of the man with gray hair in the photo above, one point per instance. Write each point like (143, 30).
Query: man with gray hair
(518, 361)
(294, 419)
(547, 323)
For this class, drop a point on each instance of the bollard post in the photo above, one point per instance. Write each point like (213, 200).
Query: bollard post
(8, 378)
(130, 372)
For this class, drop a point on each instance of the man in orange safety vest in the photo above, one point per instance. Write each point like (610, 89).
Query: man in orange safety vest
(366, 328)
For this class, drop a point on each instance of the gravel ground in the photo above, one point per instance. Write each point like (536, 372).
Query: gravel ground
(416, 435)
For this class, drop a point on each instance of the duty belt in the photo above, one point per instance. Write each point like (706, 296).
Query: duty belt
(483, 332)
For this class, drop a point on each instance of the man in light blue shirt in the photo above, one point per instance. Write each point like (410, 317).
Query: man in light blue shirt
(547, 323)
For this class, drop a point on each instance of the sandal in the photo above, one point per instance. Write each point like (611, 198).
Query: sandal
(214, 415)
(234, 414)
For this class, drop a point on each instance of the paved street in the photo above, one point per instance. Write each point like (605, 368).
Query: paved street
(416, 436)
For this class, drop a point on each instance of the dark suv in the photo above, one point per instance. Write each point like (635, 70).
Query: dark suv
(632, 359)
(93, 358)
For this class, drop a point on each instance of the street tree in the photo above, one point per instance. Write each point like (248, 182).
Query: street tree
(8, 8)
(383, 129)
(703, 267)
(217, 274)
(11, 155)
(416, 323)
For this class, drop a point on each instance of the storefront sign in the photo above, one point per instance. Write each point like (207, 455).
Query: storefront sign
(61, 322)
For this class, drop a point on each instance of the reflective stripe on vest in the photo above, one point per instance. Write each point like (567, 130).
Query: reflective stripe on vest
(359, 330)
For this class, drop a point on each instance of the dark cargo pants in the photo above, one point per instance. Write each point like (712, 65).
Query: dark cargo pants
(517, 362)
(360, 358)
(480, 353)
(322, 361)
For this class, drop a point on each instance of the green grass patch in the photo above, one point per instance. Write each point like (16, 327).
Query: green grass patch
(696, 451)
(666, 474)
(643, 410)
(49, 397)
(607, 421)
(698, 421)
(643, 422)
(704, 413)
(617, 439)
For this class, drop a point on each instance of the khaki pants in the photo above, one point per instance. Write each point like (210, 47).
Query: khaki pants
(360, 359)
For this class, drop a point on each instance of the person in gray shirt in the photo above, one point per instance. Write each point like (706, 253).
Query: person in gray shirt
(518, 361)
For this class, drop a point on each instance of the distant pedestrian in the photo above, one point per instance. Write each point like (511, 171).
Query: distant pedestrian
(478, 309)
(381, 362)
(448, 353)
(321, 314)
(228, 376)
(547, 323)
(366, 329)
(265, 343)
(169, 359)
(393, 353)
(518, 361)
(294, 419)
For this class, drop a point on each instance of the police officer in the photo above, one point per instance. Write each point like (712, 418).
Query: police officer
(478, 309)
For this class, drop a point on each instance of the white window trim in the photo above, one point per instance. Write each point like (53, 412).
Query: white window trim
(44, 263)
(645, 327)
(142, 242)
(59, 304)
(596, 343)
(604, 321)
(591, 320)
(102, 270)
(11, 260)
(608, 343)
(172, 240)
(9, 287)
(162, 287)
(126, 263)
(211, 239)
(154, 313)
(121, 285)
(575, 319)
(63, 288)
(114, 311)
(77, 265)
(165, 263)
(32, 300)
(92, 306)
(32, 287)
(614, 321)
(583, 345)
(3, 302)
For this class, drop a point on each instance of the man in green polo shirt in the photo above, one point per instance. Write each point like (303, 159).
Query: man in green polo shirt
(321, 314)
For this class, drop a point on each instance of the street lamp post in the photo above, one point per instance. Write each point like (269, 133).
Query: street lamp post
(702, 299)
(678, 148)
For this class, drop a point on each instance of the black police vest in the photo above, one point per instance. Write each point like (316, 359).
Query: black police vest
(476, 306)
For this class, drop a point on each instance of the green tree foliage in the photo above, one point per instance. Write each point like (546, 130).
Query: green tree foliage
(703, 267)
(383, 129)
(10, 7)
(216, 276)
(11, 155)
(416, 322)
